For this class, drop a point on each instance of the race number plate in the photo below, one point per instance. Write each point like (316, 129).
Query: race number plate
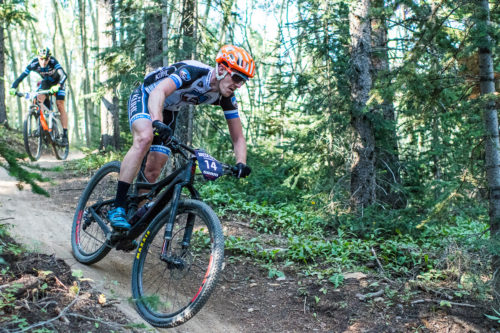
(211, 169)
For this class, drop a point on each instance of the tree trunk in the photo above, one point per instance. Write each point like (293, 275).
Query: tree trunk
(184, 126)
(490, 116)
(85, 84)
(94, 14)
(110, 125)
(67, 68)
(226, 12)
(3, 110)
(386, 144)
(165, 22)
(154, 45)
(14, 67)
(363, 147)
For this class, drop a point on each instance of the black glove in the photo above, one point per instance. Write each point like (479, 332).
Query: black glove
(162, 130)
(243, 170)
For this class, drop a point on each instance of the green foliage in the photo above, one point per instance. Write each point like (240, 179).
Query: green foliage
(337, 280)
(16, 167)
(495, 318)
(15, 12)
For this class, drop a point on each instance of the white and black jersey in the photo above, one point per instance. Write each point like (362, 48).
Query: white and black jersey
(52, 73)
(192, 79)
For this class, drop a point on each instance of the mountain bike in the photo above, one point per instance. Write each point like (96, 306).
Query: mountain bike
(42, 125)
(181, 245)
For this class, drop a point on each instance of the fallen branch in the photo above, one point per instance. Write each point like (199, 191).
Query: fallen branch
(60, 283)
(439, 302)
(381, 267)
(71, 189)
(23, 284)
(110, 303)
(370, 295)
(378, 261)
(246, 225)
(107, 323)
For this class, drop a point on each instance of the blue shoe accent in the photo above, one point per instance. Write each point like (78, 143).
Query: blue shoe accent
(118, 218)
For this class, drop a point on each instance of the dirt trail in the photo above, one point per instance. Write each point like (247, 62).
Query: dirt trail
(44, 226)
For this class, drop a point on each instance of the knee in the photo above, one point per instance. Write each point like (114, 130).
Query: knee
(152, 174)
(143, 140)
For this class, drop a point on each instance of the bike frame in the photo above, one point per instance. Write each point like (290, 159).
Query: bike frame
(40, 107)
(173, 185)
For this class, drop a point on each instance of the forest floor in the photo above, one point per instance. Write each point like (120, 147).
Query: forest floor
(246, 299)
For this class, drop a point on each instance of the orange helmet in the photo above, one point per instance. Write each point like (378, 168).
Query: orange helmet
(236, 58)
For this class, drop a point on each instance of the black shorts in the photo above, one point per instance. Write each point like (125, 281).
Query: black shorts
(46, 85)
(138, 109)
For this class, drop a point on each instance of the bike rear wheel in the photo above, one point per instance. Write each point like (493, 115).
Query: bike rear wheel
(61, 151)
(90, 223)
(170, 289)
(32, 134)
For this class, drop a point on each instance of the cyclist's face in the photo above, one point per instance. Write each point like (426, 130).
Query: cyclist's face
(229, 84)
(43, 61)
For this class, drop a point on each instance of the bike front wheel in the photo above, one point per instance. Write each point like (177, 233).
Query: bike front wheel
(171, 284)
(32, 134)
(61, 151)
(90, 223)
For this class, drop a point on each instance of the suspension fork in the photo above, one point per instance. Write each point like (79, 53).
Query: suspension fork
(186, 239)
(171, 220)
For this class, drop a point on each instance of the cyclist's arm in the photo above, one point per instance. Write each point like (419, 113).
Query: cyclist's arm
(20, 78)
(62, 74)
(63, 77)
(157, 98)
(239, 142)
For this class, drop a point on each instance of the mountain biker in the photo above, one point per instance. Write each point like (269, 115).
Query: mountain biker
(53, 79)
(160, 97)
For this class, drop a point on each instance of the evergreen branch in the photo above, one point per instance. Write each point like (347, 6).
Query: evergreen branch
(14, 169)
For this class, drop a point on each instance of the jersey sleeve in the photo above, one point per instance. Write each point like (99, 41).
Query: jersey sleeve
(60, 71)
(185, 75)
(24, 74)
(229, 105)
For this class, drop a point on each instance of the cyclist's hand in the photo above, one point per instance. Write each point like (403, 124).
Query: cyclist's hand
(243, 170)
(12, 91)
(162, 130)
(54, 89)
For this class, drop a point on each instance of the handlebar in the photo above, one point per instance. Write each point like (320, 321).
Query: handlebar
(33, 94)
(166, 135)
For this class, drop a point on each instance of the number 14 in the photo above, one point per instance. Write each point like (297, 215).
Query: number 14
(211, 165)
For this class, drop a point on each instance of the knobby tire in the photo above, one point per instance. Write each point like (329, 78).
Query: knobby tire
(167, 296)
(88, 238)
(32, 135)
(60, 151)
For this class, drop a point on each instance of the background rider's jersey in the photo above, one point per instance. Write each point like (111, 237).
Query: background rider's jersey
(52, 73)
(192, 79)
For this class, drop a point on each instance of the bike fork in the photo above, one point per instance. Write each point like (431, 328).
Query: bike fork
(171, 220)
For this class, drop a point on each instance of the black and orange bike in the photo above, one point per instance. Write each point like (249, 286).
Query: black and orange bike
(42, 126)
(180, 250)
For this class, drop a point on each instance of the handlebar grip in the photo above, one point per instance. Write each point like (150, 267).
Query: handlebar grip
(230, 169)
(163, 130)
